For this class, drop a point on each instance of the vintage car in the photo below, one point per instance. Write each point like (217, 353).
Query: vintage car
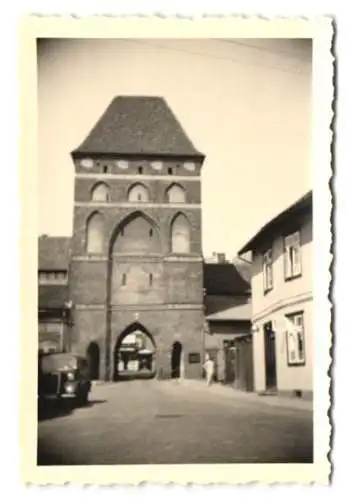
(64, 375)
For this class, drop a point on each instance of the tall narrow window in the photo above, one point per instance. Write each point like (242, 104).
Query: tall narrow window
(94, 233)
(100, 193)
(123, 280)
(170, 171)
(150, 279)
(292, 256)
(105, 169)
(138, 193)
(180, 235)
(140, 170)
(176, 194)
(268, 271)
(151, 232)
(295, 339)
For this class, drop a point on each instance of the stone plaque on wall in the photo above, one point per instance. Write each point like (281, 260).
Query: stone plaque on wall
(194, 357)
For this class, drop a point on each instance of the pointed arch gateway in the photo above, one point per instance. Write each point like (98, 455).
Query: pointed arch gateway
(134, 353)
(180, 234)
(94, 233)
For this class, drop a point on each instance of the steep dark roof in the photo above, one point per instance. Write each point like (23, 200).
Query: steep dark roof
(240, 312)
(138, 125)
(224, 279)
(52, 296)
(301, 206)
(244, 268)
(53, 253)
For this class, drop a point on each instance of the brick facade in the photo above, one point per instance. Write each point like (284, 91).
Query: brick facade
(163, 291)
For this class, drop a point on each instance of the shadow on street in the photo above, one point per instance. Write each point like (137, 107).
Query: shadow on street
(49, 409)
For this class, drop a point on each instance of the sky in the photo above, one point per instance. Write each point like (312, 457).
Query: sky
(245, 104)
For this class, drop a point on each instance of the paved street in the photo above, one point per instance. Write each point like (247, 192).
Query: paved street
(152, 422)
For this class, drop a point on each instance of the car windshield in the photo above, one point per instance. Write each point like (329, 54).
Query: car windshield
(54, 362)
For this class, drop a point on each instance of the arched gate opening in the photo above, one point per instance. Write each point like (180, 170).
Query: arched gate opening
(134, 354)
(176, 359)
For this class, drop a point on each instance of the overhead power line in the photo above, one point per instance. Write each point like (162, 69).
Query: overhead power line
(215, 57)
(293, 54)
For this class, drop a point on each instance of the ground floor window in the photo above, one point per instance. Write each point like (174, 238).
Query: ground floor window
(295, 339)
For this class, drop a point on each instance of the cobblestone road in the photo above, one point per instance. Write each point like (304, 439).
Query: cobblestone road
(151, 422)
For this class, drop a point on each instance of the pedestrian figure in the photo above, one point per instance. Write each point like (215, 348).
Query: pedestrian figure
(209, 369)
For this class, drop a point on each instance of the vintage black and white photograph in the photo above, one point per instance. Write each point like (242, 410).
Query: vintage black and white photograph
(175, 251)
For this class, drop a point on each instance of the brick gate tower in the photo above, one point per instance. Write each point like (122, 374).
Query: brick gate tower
(136, 248)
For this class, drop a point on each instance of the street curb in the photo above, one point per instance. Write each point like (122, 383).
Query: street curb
(230, 392)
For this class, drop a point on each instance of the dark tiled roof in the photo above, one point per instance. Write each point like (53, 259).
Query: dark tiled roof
(303, 205)
(244, 268)
(240, 312)
(53, 253)
(52, 296)
(138, 125)
(224, 279)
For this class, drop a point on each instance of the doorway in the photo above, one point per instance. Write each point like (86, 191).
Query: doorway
(93, 355)
(270, 356)
(176, 359)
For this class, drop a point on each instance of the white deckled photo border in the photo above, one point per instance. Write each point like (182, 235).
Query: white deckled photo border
(321, 30)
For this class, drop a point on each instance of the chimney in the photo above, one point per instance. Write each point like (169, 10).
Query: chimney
(221, 258)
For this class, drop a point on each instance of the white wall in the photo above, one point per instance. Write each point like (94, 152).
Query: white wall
(286, 297)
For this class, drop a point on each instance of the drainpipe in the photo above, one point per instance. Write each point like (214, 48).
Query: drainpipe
(62, 333)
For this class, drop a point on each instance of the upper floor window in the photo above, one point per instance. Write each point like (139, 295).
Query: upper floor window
(268, 271)
(170, 170)
(176, 194)
(292, 256)
(138, 192)
(100, 193)
(295, 339)
(105, 169)
(140, 170)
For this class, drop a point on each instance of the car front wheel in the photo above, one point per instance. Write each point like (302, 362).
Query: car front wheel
(82, 398)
